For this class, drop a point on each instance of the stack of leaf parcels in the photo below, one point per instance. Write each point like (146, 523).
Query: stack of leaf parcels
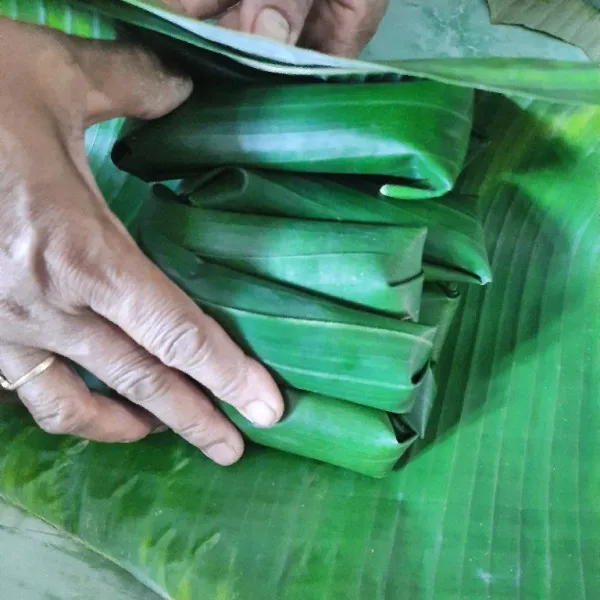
(317, 224)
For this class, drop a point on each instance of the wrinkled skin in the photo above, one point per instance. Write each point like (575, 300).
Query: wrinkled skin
(337, 27)
(74, 284)
(73, 281)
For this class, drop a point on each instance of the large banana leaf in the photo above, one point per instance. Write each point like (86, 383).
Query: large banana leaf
(503, 506)
(454, 246)
(416, 133)
(499, 500)
(312, 343)
(571, 82)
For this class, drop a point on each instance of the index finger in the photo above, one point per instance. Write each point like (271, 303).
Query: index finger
(159, 316)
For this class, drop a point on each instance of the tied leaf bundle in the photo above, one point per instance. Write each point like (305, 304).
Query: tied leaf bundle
(322, 279)
(454, 247)
(376, 267)
(308, 224)
(288, 229)
(310, 342)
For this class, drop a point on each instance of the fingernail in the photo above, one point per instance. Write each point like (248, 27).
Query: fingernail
(260, 413)
(271, 24)
(222, 453)
(160, 429)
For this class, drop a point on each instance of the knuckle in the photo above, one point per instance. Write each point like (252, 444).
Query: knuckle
(139, 379)
(64, 415)
(184, 345)
(202, 430)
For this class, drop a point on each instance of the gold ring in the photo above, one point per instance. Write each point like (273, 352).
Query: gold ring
(35, 372)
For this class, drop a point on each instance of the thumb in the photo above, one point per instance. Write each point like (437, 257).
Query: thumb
(125, 80)
(280, 20)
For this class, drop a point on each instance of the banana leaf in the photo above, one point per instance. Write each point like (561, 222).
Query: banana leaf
(418, 417)
(416, 133)
(454, 248)
(359, 438)
(561, 81)
(498, 500)
(311, 343)
(439, 304)
(573, 21)
(378, 267)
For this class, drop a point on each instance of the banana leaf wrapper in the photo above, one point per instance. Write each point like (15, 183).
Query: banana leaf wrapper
(311, 343)
(354, 437)
(417, 418)
(375, 266)
(359, 438)
(454, 247)
(413, 134)
(439, 304)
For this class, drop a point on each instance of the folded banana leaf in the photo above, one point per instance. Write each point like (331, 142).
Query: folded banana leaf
(311, 343)
(418, 417)
(439, 304)
(574, 82)
(376, 266)
(358, 438)
(454, 248)
(415, 134)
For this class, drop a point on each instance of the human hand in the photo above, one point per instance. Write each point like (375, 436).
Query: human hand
(74, 282)
(337, 27)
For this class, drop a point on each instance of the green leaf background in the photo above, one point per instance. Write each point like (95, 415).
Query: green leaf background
(501, 498)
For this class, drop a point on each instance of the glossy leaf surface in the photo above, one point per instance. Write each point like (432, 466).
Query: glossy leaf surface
(340, 433)
(375, 266)
(500, 498)
(569, 82)
(312, 343)
(417, 132)
(454, 245)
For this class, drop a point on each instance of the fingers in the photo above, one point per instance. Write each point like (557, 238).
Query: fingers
(280, 20)
(126, 80)
(342, 28)
(60, 402)
(162, 319)
(105, 351)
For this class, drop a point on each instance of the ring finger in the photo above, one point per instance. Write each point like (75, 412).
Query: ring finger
(61, 403)
(114, 358)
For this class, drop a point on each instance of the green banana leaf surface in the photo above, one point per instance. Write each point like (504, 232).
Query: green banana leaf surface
(454, 247)
(439, 304)
(312, 343)
(569, 82)
(500, 498)
(416, 133)
(377, 267)
(355, 437)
